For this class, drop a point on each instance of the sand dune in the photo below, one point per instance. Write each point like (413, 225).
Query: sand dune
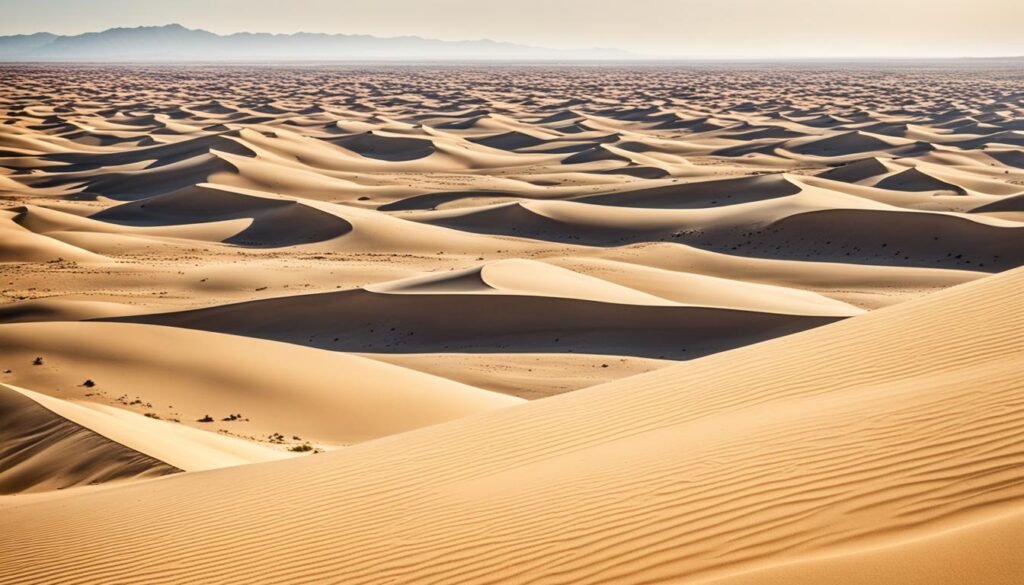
(538, 323)
(846, 144)
(144, 178)
(58, 224)
(386, 147)
(816, 225)
(22, 245)
(710, 291)
(858, 170)
(184, 448)
(275, 221)
(917, 180)
(281, 388)
(701, 194)
(791, 451)
(526, 375)
(62, 310)
(516, 306)
(275, 163)
(44, 451)
(908, 237)
(522, 277)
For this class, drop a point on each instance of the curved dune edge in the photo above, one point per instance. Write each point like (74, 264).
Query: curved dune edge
(817, 225)
(609, 281)
(836, 280)
(59, 309)
(19, 244)
(43, 221)
(526, 375)
(321, 396)
(272, 221)
(693, 288)
(41, 450)
(752, 227)
(442, 316)
(521, 277)
(730, 191)
(769, 454)
(182, 447)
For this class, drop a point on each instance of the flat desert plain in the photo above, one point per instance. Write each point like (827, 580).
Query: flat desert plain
(512, 324)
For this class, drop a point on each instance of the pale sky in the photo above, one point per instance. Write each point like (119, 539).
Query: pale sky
(657, 28)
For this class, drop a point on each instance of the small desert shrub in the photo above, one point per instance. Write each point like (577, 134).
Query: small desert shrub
(206, 419)
(303, 448)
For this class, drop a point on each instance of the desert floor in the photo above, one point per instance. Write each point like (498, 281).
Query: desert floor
(546, 324)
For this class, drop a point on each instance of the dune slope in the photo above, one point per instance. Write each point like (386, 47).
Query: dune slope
(868, 434)
(41, 450)
(510, 306)
(322, 396)
(184, 448)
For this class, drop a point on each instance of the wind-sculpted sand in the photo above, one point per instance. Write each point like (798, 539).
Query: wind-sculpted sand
(511, 324)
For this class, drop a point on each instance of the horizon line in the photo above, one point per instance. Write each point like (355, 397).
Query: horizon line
(695, 60)
(630, 55)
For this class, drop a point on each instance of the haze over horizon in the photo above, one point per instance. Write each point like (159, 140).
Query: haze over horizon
(650, 28)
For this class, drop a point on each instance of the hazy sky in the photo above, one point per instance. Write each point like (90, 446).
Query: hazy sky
(681, 28)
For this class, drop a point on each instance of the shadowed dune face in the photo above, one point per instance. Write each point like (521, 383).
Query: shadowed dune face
(41, 450)
(389, 148)
(701, 194)
(275, 222)
(726, 283)
(426, 323)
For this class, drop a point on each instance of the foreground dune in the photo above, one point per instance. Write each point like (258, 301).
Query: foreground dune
(982, 552)
(864, 441)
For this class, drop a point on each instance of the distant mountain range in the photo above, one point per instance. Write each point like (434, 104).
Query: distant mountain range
(174, 42)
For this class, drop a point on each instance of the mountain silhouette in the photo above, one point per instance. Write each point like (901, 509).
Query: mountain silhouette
(174, 42)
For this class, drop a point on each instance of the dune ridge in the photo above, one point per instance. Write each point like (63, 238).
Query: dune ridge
(183, 448)
(43, 450)
(330, 398)
(512, 306)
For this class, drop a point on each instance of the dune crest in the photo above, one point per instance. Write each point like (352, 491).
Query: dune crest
(44, 451)
(282, 388)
